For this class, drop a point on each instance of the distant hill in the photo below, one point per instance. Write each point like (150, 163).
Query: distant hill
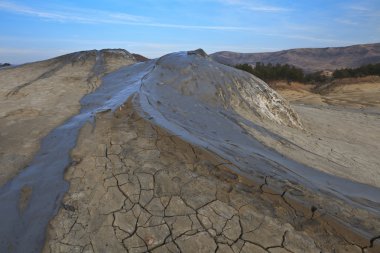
(309, 59)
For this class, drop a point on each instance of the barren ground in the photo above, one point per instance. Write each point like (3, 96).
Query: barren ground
(135, 186)
(35, 98)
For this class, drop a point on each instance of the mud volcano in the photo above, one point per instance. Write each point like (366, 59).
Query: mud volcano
(169, 155)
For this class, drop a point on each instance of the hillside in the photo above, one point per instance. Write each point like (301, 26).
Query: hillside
(140, 57)
(102, 153)
(32, 93)
(309, 59)
(355, 93)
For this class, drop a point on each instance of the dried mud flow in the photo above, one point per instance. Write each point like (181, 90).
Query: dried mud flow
(183, 154)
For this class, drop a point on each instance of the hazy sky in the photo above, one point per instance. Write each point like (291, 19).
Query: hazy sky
(35, 29)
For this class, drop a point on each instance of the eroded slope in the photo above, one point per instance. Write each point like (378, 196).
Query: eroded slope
(36, 97)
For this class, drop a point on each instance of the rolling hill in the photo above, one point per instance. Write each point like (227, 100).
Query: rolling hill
(309, 59)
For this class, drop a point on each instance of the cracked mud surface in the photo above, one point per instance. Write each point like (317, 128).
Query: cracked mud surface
(136, 188)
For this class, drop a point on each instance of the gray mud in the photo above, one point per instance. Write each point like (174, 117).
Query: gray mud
(23, 230)
(203, 102)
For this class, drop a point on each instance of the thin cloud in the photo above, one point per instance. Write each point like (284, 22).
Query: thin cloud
(362, 10)
(346, 21)
(72, 15)
(102, 17)
(316, 39)
(358, 8)
(255, 6)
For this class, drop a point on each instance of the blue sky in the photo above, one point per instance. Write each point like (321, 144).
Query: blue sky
(35, 29)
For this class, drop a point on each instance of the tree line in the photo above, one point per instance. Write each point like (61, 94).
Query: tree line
(4, 65)
(270, 72)
(366, 70)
